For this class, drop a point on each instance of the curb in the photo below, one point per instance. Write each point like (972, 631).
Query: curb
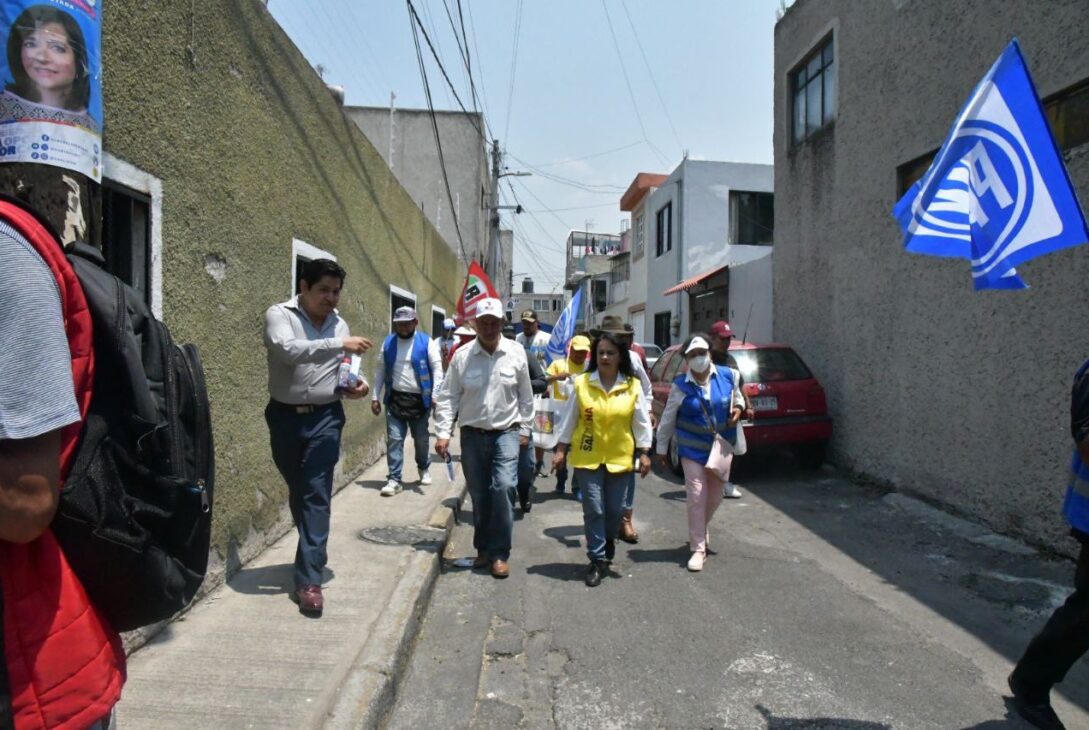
(368, 692)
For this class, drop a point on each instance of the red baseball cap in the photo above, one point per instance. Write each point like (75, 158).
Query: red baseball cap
(721, 329)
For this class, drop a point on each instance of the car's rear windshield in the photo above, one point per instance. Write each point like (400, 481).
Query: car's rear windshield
(770, 365)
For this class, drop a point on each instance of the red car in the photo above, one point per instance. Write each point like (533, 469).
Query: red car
(790, 409)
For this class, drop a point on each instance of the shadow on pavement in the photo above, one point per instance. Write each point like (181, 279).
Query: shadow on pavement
(678, 555)
(269, 580)
(805, 723)
(948, 573)
(559, 571)
(677, 496)
(569, 535)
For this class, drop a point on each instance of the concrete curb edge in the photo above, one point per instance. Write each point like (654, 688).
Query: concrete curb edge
(368, 691)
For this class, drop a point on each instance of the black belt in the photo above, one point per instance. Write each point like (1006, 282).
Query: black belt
(304, 409)
(488, 431)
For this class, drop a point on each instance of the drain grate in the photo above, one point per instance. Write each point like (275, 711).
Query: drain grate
(404, 535)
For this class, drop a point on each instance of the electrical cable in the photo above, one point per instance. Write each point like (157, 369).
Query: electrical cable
(513, 67)
(650, 72)
(631, 92)
(435, 128)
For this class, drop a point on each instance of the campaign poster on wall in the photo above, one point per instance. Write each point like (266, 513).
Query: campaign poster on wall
(51, 80)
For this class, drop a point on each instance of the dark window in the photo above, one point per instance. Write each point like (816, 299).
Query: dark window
(813, 88)
(661, 329)
(126, 236)
(664, 235)
(599, 289)
(1068, 112)
(752, 218)
(436, 323)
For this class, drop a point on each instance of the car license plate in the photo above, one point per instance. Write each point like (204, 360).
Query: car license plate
(765, 403)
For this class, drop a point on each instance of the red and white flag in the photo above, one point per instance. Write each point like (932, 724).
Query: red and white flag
(477, 286)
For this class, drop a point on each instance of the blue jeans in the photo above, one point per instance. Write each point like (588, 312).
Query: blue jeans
(490, 462)
(602, 503)
(305, 448)
(629, 495)
(396, 433)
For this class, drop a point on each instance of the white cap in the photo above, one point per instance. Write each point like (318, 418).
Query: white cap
(404, 314)
(489, 308)
(449, 324)
(697, 343)
(465, 331)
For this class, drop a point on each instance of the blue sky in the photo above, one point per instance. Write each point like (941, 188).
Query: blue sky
(568, 112)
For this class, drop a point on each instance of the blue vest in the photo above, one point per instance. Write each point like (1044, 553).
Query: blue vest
(695, 432)
(1076, 504)
(420, 364)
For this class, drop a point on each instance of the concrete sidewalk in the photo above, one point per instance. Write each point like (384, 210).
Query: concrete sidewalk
(244, 657)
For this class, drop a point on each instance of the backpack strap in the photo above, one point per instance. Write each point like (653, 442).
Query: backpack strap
(77, 316)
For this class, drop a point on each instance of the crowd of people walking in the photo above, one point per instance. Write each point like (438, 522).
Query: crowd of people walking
(482, 377)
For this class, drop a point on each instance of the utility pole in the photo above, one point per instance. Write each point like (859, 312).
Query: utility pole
(492, 257)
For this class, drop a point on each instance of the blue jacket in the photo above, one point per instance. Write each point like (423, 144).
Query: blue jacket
(1076, 504)
(420, 364)
(695, 431)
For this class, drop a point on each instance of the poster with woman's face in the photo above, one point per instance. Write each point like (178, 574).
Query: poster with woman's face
(51, 83)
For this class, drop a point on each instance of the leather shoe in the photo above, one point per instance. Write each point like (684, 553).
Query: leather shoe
(480, 561)
(1034, 710)
(610, 550)
(500, 569)
(527, 505)
(310, 599)
(595, 573)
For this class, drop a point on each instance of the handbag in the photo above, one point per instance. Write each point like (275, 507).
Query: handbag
(722, 451)
(545, 420)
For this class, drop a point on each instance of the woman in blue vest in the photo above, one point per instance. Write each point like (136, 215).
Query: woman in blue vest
(704, 405)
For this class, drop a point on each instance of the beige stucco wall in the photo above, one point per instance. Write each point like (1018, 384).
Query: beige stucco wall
(214, 99)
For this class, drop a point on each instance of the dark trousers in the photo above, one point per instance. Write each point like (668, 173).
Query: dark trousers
(1063, 640)
(305, 448)
(526, 475)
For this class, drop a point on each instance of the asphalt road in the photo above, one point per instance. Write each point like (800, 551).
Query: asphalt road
(827, 605)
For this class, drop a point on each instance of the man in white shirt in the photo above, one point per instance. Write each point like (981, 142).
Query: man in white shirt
(536, 343)
(487, 386)
(409, 367)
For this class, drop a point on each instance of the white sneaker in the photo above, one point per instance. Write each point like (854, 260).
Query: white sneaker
(695, 563)
(730, 491)
(425, 478)
(392, 488)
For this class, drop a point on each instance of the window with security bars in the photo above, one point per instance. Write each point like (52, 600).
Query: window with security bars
(813, 89)
(126, 236)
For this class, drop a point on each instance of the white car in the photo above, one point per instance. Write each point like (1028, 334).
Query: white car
(653, 353)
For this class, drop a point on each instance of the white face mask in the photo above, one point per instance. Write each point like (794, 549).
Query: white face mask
(700, 363)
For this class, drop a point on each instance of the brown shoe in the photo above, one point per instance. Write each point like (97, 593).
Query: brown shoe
(310, 600)
(627, 529)
(500, 569)
(480, 561)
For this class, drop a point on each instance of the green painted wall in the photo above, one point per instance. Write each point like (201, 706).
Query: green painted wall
(213, 98)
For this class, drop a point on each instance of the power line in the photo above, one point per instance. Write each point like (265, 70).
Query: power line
(566, 160)
(631, 92)
(480, 67)
(419, 23)
(513, 67)
(595, 188)
(533, 216)
(650, 72)
(435, 127)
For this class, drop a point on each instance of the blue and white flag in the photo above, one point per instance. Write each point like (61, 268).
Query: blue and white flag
(997, 192)
(564, 329)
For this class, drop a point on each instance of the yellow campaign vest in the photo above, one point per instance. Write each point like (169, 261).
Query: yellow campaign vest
(603, 432)
(559, 388)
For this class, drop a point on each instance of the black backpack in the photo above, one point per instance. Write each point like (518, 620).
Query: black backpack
(135, 513)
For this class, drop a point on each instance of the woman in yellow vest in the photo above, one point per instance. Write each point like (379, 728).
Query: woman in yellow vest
(561, 380)
(605, 429)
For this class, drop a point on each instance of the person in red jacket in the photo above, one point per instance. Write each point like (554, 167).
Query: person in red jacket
(63, 666)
